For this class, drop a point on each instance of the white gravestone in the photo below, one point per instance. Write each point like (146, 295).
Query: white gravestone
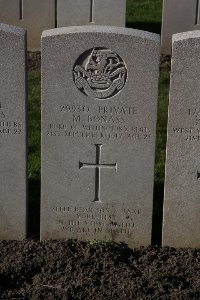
(178, 16)
(33, 15)
(182, 186)
(98, 133)
(13, 101)
(90, 12)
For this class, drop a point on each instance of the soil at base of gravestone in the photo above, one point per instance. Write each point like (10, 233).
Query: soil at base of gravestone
(96, 270)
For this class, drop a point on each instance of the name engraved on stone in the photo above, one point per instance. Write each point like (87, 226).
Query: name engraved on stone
(100, 73)
(99, 118)
(197, 13)
(98, 166)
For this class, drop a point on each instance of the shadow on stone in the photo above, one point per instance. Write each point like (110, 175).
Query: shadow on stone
(150, 27)
(33, 209)
(157, 214)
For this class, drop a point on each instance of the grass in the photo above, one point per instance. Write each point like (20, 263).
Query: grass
(148, 11)
(161, 127)
(144, 14)
(34, 125)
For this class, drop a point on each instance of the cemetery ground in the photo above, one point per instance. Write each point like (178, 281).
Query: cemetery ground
(98, 270)
(95, 270)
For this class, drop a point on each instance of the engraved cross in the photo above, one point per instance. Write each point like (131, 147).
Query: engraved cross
(197, 19)
(97, 166)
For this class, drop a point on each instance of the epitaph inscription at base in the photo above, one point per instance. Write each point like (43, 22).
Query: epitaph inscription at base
(98, 133)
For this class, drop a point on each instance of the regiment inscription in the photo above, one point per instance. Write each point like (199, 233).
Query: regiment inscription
(98, 134)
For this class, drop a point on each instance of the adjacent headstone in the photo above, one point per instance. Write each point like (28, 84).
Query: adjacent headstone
(34, 15)
(182, 186)
(90, 12)
(178, 16)
(13, 101)
(99, 103)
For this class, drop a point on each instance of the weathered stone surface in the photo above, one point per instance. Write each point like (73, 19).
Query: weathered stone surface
(98, 133)
(182, 186)
(73, 12)
(33, 15)
(90, 12)
(178, 16)
(9, 10)
(12, 132)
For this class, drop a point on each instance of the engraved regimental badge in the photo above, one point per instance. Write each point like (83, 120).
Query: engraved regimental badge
(100, 73)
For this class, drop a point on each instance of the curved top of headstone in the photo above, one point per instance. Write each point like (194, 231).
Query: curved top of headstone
(185, 35)
(102, 29)
(12, 29)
